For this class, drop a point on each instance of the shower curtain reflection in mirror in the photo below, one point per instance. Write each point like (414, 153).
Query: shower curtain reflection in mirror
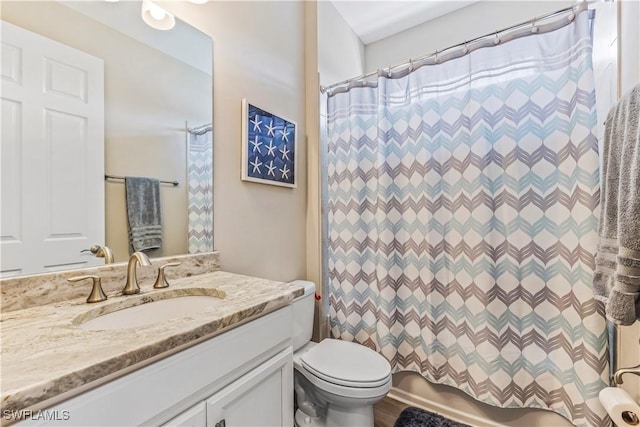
(200, 173)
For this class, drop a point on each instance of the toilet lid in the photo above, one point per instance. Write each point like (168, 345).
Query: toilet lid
(346, 363)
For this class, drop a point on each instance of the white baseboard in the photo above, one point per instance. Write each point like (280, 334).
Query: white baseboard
(438, 408)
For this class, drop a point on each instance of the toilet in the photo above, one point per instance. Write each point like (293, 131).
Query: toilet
(336, 382)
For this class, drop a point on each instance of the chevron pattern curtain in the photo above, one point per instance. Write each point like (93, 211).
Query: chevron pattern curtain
(200, 172)
(462, 223)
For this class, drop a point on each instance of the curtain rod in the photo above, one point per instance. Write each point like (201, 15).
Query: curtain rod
(199, 130)
(174, 183)
(468, 47)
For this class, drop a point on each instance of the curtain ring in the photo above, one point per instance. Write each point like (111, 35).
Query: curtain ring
(571, 17)
(410, 65)
(436, 59)
(497, 39)
(465, 49)
(534, 28)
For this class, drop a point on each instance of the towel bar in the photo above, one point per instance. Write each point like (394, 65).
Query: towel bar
(174, 183)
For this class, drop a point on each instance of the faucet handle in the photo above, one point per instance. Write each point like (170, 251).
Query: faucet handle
(161, 281)
(97, 294)
(93, 249)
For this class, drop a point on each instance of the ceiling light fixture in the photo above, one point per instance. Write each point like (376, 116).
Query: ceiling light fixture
(156, 17)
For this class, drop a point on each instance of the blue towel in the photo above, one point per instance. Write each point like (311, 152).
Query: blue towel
(144, 218)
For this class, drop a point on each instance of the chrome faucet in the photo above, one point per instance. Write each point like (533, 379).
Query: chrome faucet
(131, 286)
(101, 252)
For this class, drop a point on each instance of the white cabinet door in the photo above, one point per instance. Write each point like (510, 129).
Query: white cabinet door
(194, 417)
(262, 397)
(52, 150)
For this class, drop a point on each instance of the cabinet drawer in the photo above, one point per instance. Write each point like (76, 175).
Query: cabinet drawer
(160, 391)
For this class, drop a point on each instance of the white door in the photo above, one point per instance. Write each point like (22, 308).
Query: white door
(262, 397)
(52, 152)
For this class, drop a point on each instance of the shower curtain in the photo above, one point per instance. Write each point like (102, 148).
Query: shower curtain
(200, 173)
(462, 223)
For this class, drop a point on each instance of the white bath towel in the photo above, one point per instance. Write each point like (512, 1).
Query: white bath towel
(617, 276)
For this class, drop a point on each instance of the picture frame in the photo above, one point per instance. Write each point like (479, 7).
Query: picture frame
(269, 147)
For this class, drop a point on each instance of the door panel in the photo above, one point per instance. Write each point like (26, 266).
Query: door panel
(11, 172)
(262, 397)
(66, 80)
(52, 154)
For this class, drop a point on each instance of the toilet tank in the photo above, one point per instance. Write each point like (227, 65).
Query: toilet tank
(303, 308)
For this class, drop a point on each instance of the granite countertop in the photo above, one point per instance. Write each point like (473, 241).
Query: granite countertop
(46, 355)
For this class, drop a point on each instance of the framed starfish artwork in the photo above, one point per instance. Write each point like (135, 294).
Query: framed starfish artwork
(269, 147)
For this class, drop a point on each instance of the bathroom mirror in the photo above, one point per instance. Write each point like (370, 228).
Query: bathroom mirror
(156, 85)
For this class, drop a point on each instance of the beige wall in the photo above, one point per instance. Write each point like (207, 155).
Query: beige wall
(148, 97)
(259, 55)
(338, 55)
(340, 51)
(629, 32)
(314, 174)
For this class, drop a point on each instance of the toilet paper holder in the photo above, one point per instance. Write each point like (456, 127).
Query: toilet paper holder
(628, 417)
(617, 376)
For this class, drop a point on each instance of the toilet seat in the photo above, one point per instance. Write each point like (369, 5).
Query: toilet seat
(347, 364)
(371, 379)
(340, 390)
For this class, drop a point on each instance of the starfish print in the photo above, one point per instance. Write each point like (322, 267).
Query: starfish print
(256, 124)
(256, 145)
(256, 165)
(271, 148)
(285, 172)
(271, 129)
(271, 169)
(285, 134)
(285, 153)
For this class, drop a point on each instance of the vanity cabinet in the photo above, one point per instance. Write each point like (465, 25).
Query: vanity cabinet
(243, 377)
(259, 398)
(194, 417)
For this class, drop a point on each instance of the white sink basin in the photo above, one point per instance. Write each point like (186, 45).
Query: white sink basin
(148, 313)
